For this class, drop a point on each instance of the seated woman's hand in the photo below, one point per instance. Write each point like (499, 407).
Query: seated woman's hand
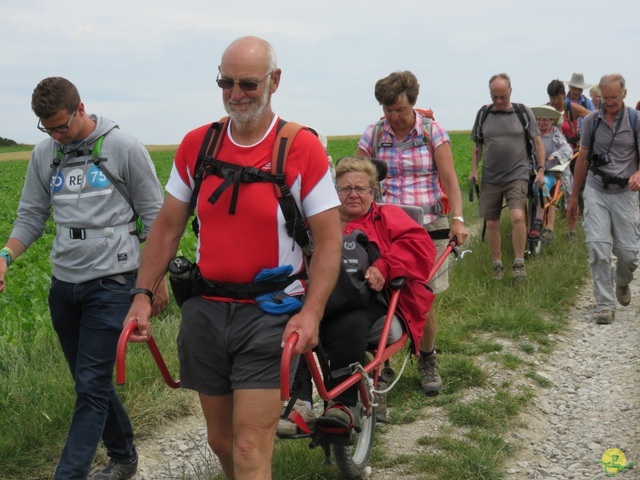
(374, 279)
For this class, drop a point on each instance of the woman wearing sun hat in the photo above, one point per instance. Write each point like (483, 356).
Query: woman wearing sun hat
(557, 152)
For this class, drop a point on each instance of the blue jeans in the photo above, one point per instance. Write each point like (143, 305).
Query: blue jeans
(88, 320)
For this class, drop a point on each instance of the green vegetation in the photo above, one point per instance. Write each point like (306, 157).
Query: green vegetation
(477, 318)
(7, 142)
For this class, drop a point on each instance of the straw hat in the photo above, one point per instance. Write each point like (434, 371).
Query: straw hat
(546, 111)
(577, 81)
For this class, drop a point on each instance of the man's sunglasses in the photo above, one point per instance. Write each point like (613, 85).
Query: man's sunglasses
(64, 128)
(245, 86)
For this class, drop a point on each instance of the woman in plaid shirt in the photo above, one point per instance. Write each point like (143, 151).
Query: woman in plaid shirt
(417, 151)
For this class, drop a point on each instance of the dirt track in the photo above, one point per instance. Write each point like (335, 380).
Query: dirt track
(12, 156)
(9, 156)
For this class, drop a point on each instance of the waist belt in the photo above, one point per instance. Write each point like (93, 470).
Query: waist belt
(436, 209)
(240, 291)
(106, 232)
(609, 179)
(442, 234)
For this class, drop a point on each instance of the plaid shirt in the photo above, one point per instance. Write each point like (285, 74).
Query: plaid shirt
(412, 177)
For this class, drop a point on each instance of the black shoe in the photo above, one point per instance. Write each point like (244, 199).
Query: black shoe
(117, 471)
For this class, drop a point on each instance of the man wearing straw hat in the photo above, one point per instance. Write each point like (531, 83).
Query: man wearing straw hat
(576, 86)
(557, 154)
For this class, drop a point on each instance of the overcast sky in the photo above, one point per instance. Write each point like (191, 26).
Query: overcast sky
(151, 65)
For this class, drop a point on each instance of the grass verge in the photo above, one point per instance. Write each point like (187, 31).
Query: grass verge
(490, 335)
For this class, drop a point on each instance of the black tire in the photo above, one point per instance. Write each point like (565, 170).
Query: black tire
(352, 460)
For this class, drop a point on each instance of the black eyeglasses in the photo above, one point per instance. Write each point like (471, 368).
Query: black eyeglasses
(245, 86)
(358, 190)
(60, 128)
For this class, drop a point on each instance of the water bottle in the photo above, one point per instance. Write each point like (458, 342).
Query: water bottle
(180, 278)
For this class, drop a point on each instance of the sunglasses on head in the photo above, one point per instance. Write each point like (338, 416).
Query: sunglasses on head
(245, 86)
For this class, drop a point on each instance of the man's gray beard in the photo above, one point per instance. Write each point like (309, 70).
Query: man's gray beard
(249, 119)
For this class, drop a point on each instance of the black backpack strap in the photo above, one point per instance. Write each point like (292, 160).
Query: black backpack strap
(633, 120)
(519, 110)
(596, 124)
(234, 174)
(241, 291)
(208, 151)
(295, 224)
(481, 117)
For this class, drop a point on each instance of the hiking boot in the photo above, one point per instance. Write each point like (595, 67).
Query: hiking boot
(287, 426)
(623, 294)
(117, 471)
(572, 235)
(519, 274)
(381, 400)
(605, 317)
(498, 271)
(429, 376)
(547, 235)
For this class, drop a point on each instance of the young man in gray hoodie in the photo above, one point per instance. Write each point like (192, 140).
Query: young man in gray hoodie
(100, 181)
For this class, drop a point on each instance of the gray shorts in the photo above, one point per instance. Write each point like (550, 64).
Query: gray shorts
(224, 346)
(490, 203)
(440, 281)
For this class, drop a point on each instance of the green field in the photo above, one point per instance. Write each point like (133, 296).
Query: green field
(36, 394)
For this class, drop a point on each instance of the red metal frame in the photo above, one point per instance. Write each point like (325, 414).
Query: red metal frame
(383, 352)
(155, 352)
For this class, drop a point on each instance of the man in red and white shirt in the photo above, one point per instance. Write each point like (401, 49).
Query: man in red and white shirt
(230, 349)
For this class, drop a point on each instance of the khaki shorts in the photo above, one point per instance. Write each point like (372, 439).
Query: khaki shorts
(491, 195)
(440, 281)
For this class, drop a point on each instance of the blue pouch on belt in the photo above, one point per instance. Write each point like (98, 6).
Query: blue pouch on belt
(277, 303)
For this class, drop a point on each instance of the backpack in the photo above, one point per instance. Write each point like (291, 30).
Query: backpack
(351, 290)
(442, 207)
(519, 110)
(98, 162)
(233, 175)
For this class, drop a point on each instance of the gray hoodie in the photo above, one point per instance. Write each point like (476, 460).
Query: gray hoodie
(83, 198)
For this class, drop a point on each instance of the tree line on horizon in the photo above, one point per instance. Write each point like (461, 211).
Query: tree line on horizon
(7, 142)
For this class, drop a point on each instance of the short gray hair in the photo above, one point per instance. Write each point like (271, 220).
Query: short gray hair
(613, 77)
(503, 76)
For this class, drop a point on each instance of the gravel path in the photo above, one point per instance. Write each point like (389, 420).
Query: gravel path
(592, 406)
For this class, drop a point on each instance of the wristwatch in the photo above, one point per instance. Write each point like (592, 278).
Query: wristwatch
(460, 219)
(144, 291)
(540, 167)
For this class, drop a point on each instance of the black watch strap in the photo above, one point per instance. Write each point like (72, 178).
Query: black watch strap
(144, 291)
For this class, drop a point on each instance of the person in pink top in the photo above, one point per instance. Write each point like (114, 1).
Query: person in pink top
(420, 171)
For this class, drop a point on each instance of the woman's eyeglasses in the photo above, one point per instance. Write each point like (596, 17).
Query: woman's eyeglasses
(245, 86)
(358, 190)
